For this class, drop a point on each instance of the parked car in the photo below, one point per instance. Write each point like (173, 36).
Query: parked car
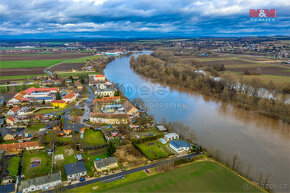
(82, 179)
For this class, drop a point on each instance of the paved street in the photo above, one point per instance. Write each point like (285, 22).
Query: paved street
(128, 171)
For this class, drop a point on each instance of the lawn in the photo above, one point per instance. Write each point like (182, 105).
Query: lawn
(197, 177)
(100, 186)
(77, 112)
(13, 166)
(29, 63)
(154, 150)
(90, 156)
(44, 167)
(93, 138)
(34, 128)
(69, 157)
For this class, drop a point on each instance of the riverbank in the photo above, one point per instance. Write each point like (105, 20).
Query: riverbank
(246, 96)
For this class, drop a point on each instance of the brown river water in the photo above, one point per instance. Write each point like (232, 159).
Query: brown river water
(262, 142)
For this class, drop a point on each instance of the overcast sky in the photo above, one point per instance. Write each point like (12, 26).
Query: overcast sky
(138, 18)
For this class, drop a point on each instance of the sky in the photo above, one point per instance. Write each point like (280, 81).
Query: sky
(139, 18)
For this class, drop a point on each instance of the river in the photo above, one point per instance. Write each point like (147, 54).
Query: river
(261, 142)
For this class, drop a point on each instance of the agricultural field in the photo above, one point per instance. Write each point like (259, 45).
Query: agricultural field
(27, 66)
(93, 138)
(202, 176)
(154, 150)
(36, 163)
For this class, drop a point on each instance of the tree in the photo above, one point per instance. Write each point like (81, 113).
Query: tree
(111, 149)
(58, 96)
(43, 101)
(117, 93)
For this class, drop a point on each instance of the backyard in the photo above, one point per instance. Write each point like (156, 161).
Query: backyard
(154, 150)
(93, 138)
(36, 163)
(13, 165)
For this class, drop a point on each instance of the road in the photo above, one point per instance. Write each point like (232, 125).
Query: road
(128, 171)
(88, 104)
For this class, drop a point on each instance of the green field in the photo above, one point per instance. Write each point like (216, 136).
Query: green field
(154, 150)
(82, 60)
(203, 176)
(76, 112)
(44, 167)
(29, 63)
(20, 76)
(13, 166)
(93, 138)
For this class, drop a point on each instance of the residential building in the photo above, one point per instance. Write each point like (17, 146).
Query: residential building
(13, 133)
(97, 77)
(11, 120)
(20, 146)
(106, 163)
(7, 188)
(129, 108)
(171, 136)
(41, 183)
(107, 92)
(75, 171)
(109, 118)
(58, 103)
(161, 128)
(13, 111)
(75, 127)
(179, 146)
(70, 97)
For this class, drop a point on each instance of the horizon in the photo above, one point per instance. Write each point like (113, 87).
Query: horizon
(119, 19)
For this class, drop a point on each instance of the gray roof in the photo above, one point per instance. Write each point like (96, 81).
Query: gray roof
(161, 128)
(75, 127)
(12, 131)
(7, 188)
(41, 180)
(105, 162)
(75, 168)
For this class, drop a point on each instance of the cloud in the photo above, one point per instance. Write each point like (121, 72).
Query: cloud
(180, 17)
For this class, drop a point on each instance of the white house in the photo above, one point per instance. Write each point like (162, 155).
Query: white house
(171, 136)
(41, 183)
(179, 146)
(70, 97)
(75, 171)
(13, 111)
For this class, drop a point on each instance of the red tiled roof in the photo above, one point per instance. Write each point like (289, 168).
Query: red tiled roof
(18, 97)
(46, 89)
(70, 95)
(15, 109)
(99, 75)
(11, 118)
(57, 101)
(30, 90)
(12, 146)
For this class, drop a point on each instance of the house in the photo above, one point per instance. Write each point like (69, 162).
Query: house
(75, 171)
(79, 85)
(109, 118)
(179, 146)
(70, 97)
(41, 183)
(106, 163)
(107, 92)
(13, 111)
(161, 128)
(9, 134)
(10, 120)
(110, 100)
(171, 136)
(97, 77)
(20, 146)
(75, 127)
(7, 188)
(58, 103)
(129, 108)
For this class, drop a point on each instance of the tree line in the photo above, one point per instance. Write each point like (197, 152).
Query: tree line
(243, 93)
